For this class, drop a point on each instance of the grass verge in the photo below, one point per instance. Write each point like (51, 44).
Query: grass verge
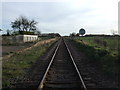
(15, 66)
(101, 57)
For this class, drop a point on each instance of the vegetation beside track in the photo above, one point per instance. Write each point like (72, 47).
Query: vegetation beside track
(103, 51)
(16, 66)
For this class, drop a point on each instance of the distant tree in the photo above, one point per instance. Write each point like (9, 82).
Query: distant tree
(23, 24)
(77, 34)
(16, 25)
(32, 25)
(73, 34)
(58, 35)
(82, 31)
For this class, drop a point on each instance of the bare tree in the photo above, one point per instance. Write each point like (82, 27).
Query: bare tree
(32, 25)
(16, 25)
(23, 24)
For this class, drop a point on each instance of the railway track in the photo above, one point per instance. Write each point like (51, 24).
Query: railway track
(62, 72)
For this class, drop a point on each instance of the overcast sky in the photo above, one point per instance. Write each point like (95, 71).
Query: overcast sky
(65, 17)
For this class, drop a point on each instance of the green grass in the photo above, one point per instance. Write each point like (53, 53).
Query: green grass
(104, 57)
(108, 43)
(16, 66)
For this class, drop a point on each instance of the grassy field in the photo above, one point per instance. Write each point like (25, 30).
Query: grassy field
(101, 50)
(108, 43)
(15, 66)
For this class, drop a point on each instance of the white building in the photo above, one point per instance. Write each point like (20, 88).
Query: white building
(26, 38)
(18, 39)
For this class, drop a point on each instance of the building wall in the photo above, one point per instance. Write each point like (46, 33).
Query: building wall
(27, 38)
(18, 39)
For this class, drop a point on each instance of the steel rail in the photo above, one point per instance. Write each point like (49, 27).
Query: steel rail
(41, 85)
(43, 79)
(75, 66)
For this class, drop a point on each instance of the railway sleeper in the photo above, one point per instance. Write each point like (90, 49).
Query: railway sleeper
(87, 78)
(91, 85)
(63, 85)
(63, 81)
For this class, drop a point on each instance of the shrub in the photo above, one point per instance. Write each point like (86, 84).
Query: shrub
(26, 32)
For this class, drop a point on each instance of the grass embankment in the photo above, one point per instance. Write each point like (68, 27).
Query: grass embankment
(15, 66)
(103, 51)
